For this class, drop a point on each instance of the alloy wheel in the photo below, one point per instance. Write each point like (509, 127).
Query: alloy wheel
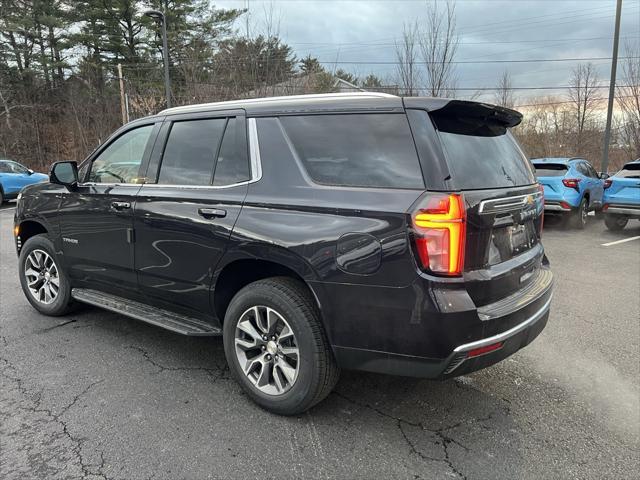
(41, 273)
(267, 350)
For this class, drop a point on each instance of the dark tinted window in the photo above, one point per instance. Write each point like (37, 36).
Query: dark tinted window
(5, 168)
(550, 169)
(190, 153)
(591, 170)
(582, 168)
(630, 170)
(233, 165)
(363, 150)
(481, 154)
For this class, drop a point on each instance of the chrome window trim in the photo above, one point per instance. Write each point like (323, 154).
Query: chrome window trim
(509, 202)
(255, 167)
(254, 150)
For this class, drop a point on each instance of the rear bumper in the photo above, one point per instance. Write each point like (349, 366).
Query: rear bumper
(438, 345)
(555, 206)
(623, 209)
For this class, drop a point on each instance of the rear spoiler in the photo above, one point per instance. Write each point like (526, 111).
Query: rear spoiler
(479, 112)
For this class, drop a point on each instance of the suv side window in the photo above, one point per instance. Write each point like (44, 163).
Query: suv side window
(17, 168)
(190, 153)
(120, 161)
(358, 150)
(591, 170)
(581, 167)
(232, 165)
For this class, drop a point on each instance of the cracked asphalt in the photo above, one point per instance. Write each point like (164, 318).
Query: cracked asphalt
(98, 396)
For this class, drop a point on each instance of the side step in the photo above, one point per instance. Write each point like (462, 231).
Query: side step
(146, 313)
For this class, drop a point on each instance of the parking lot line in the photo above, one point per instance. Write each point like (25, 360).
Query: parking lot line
(620, 241)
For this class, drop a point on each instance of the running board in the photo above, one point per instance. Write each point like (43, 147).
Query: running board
(145, 313)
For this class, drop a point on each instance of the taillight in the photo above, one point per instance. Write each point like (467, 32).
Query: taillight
(439, 234)
(605, 207)
(571, 183)
(607, 183)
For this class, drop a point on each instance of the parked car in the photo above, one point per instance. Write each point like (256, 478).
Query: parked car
(14, 177)
(314, 233)
(622, 196)
(572, 187)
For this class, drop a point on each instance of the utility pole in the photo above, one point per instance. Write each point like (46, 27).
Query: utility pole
(612, 90)
(161, 17)
(123, 108)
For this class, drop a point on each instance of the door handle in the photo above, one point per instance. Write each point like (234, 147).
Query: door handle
(120, 205)
(212, 213)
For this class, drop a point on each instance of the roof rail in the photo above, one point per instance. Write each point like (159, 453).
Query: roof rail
(317, 96)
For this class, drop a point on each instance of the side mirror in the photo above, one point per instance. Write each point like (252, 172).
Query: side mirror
(604, 175)
(64, 173)
(30, 172)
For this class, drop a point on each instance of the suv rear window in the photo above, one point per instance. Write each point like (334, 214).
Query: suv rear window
(550, 169)
(360, 150)
(481, 154)
(631, 170)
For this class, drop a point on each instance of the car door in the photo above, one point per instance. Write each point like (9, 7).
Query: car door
(197, 181)
(597, 186)
(96, 218)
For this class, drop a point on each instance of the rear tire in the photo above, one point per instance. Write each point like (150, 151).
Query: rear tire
(615, 223)
(579, 216)
(1, 197)
(43, 281)
(293, 382)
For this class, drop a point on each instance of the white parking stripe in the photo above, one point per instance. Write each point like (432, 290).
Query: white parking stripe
(620, 241)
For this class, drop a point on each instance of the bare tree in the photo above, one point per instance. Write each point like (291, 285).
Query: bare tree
(504, 91)
(628, 99)
(407, 58)
(583, 95)
(438, 44)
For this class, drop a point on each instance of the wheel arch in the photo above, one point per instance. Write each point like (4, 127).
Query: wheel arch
(241, 268)
(29, 228)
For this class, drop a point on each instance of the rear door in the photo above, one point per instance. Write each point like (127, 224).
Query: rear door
(196, 183)
(503, 203)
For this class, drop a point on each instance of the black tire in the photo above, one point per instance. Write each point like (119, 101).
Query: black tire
(62, 303)
(579, 216)
(317, 369)
(615, 223)
(1, 197)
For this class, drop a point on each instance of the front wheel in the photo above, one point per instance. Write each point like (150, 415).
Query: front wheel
(615, 222)
(276, 347)
(43, 281)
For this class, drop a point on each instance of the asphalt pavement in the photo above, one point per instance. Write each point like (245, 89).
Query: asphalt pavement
(99, 396)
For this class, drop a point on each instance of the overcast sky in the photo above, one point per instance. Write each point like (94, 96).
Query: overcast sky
(365, 31)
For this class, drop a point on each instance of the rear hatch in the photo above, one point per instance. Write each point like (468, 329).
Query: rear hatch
(503, 202)
(550, 176)
(625, 186)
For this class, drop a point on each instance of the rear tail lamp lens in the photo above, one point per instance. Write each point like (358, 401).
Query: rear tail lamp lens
(439, 227)
(571, 182)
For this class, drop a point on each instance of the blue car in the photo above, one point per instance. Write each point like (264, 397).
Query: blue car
(572, 187)
(13, 177)
(622, 196)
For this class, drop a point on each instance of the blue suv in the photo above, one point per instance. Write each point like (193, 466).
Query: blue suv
(13, 177)
(622, 196)
(572, 187)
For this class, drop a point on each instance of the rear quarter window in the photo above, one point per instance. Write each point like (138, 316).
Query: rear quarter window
(358, 150)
